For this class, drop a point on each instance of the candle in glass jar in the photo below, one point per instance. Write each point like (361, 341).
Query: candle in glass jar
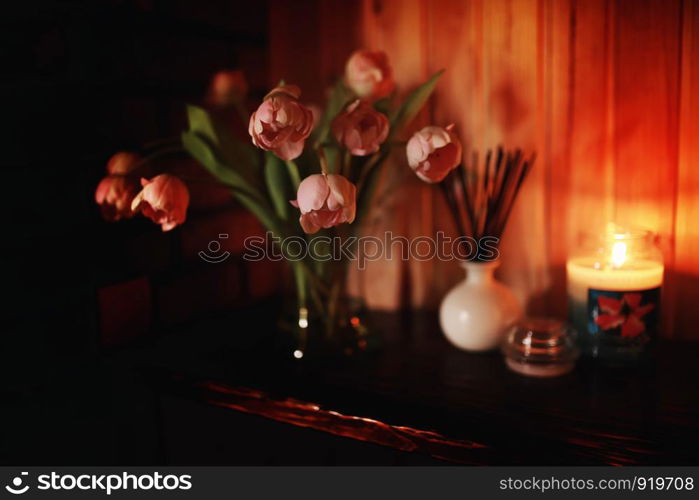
(614, 295)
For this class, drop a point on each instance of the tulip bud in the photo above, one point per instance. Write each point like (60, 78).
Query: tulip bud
(281, 124)
(325, 201)
(433, 152)
(164, 200)
(360, 128)
(369, 75)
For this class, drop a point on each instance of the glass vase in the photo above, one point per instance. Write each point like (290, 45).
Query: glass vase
(322, 321)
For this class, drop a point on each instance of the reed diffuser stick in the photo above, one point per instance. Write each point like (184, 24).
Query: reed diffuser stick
(482, 196)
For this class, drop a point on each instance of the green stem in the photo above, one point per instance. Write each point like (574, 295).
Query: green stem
(366, 169)
(347, 164)
(155, 155)
(300, 279)
(323, 160)
(315, 296)
(166, 141)
(293, 174)
(332, 306)
(258, 206)
(314, 280)
(306, 283)
(202, 180)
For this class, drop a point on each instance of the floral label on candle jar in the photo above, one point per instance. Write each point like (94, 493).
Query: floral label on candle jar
(627, 315)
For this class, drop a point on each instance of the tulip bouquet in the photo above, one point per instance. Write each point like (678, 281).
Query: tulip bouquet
(300, 173)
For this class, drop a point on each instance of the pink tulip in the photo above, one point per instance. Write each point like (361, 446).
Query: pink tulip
(122, 163)
(369, 75)
(433, 152)
(164, 200)
(114, 195)
(325, 201)
(360, 128)
(227, 88)
(281, 124)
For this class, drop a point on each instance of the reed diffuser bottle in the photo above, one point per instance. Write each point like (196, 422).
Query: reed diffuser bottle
(477, 313)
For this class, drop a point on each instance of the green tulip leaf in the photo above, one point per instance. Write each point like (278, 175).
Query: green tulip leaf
(383, 105)
(412, 104)
(340, 97)
(206, 153)
(243, 157)
(278, 185)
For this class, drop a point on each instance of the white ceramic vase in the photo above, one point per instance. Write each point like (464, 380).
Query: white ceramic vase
(478, 312)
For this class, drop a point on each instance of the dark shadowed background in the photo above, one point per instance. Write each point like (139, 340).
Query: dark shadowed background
(82, 80)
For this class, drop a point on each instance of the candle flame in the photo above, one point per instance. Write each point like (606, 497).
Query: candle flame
(618, 254)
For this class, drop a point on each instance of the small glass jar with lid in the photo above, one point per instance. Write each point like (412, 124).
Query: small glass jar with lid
(541, 347)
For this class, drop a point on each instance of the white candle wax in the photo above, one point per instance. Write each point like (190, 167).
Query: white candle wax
(583, 274)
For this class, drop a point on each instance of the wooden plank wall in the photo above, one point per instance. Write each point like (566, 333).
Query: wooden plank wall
(607, 93)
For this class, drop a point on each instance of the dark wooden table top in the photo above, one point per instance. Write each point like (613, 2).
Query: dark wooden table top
(419, 394)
